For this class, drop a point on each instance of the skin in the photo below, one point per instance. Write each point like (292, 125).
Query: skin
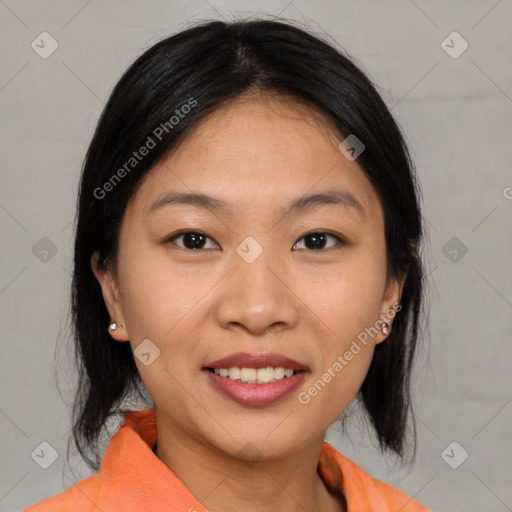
(257, 154)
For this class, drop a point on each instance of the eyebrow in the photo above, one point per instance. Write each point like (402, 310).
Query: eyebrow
(331, 196)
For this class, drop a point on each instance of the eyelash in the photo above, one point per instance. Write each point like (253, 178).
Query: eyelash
(339, 241)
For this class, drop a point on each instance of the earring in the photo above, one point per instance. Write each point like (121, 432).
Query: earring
(112, 326)
(386, 328)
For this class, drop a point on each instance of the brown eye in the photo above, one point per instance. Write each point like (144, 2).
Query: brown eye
(192, 240)
(317, 241)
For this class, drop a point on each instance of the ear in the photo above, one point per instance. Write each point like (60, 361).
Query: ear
(110, 291)
(390, 306)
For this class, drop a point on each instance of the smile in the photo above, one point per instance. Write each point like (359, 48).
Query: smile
(266, 375)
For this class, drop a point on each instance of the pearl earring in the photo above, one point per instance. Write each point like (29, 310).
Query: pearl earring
(386, 328)
(112, 326)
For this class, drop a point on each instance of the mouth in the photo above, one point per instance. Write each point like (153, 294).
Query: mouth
(255, 379)
(255, 368)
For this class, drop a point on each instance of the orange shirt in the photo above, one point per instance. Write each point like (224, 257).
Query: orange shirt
(132, 479)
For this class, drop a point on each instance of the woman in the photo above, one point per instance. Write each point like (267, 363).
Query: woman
(247, 251)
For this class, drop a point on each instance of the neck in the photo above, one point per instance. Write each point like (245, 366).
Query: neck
(223, 483)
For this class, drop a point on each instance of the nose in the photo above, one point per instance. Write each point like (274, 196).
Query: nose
(257, 297)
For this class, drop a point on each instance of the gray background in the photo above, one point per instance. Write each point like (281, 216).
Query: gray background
(457, 114)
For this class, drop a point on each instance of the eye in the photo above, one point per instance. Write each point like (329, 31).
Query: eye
(192, 240)
(195, 240)
(318, 240)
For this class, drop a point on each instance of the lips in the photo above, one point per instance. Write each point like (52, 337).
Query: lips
(248, 360)
(261, 393)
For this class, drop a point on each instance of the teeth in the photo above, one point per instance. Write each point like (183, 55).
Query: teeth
(248, 375)
(234, 373)
(255, 375)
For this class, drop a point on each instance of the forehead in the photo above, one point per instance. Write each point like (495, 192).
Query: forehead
(262, 129)
(263, 149)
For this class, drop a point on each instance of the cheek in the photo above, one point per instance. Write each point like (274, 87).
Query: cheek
(347, 303)
(161, 303)
(154, 296)
(349, 298)
(348, 313)
(158, 305)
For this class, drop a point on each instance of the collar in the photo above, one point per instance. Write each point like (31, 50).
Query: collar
(137, 477)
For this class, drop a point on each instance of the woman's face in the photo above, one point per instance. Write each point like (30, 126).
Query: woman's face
(254, 283)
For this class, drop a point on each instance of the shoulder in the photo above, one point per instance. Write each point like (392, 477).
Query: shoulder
(363, 492)
(80, 498)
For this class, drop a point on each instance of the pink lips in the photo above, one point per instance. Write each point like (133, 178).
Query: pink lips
(256, 394)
